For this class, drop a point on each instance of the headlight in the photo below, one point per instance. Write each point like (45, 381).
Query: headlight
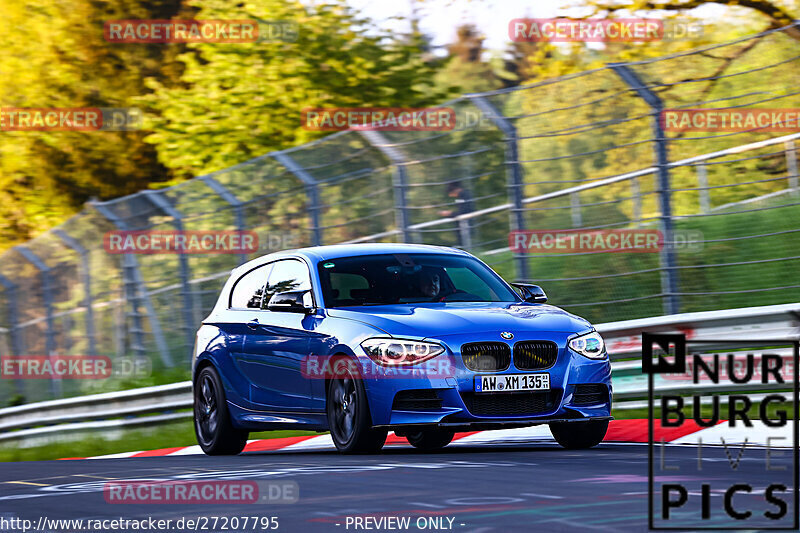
(394, 352)
(590, 345)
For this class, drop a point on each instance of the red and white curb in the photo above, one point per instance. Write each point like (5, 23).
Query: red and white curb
(630, 431)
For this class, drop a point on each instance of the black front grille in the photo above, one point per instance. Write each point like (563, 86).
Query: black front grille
(535, 355)
(416, 400)
(486, 356)
(511, 403)
(590, 394)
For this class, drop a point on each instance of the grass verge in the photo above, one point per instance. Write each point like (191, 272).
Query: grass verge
(170, 435)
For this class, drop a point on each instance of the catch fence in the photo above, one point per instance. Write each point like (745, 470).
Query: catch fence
(585, 151)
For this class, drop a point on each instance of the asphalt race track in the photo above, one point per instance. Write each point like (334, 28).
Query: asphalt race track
(503, 487)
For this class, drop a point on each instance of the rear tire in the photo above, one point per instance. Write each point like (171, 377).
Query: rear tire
(349, 418)
(430, 439)
(579, 435)
(212, 421)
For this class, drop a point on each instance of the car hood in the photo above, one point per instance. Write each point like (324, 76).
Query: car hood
(456, 318)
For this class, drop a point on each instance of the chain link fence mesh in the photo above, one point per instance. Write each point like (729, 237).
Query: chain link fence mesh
(577, 152)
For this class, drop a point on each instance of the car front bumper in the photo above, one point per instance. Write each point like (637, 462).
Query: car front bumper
(447, 397)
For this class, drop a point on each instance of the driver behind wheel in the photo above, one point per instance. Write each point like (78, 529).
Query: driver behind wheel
(429, 284)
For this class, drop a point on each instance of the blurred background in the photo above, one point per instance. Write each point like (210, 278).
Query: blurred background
(566, 136)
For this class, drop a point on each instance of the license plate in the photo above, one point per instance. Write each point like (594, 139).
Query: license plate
(512, 382)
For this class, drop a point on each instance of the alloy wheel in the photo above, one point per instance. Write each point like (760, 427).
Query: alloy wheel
(345, 405)
(207, 412)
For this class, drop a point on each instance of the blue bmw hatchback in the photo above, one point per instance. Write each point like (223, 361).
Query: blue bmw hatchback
(362, 339)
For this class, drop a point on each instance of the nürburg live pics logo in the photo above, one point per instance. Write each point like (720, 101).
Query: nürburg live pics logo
(728, 409)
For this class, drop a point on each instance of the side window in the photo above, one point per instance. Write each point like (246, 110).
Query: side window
(248, 291)
(287, 275)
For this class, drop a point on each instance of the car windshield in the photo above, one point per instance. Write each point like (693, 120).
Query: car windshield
(409, 278)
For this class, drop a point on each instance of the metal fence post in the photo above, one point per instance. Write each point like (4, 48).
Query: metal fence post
(87, 285)
(47, 299)
(791, 167)
(120, 323)
(575, 208)
(133, 289)
(66, 327)
(399, 180)
(183, 263)
(312, 193)
(669, 273)
(464, 225)
(702, 184)
(11, 306)
(135, 292)
(238, 206)
(514, 173)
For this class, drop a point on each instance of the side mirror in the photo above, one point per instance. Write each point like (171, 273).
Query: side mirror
(531, 293)
(291, 302)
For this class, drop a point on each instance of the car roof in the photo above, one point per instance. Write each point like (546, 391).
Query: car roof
(320, 253)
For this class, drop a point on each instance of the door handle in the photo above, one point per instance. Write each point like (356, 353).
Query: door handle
(253, 324)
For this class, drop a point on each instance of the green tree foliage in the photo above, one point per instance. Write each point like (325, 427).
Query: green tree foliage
(776, 13)
(519, 65)
(592, 114)
(243, 100)
(465, 69)
(55, 55)
(590, 126)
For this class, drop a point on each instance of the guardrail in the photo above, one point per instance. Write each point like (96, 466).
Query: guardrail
(167, 403)
(97, 411)
(623, 339)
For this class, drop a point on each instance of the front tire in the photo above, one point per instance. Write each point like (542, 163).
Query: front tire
(579, 435)
(212, 421)
(430, 439)
(349, 418)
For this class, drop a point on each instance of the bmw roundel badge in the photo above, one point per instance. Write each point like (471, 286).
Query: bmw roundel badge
(507, 335)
